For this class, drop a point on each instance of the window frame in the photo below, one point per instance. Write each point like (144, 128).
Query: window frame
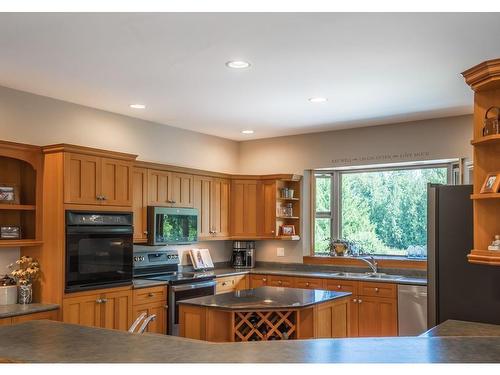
(335, 214)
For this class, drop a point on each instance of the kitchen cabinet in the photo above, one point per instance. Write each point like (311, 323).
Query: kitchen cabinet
(309, 283)
(257, 281)
(244, 198)
(140, 204)
(231, 283)
(377, 317)
(211, 198)
(95, 180)
(109, 308)
(50, 315)
(170, 189)
(283, 281)
(151, 301)
(268, 208)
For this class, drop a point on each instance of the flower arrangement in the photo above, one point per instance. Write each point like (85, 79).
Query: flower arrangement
(27, 270)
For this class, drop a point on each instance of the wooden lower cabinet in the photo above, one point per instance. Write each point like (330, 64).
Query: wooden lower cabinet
(257, 281)
(102, 308)
(50, 315)
(159, 325)
(283, 281)
(231, 283)
(377, 317)
(309, 283)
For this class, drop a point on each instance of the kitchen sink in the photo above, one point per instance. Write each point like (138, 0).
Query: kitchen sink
(383, 276)
(349, 274)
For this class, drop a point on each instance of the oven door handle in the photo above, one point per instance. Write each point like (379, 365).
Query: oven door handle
(182, 287)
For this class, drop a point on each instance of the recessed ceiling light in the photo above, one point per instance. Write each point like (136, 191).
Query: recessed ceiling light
(318, 99)
(137, 106)
(238, 64)
(247, 131)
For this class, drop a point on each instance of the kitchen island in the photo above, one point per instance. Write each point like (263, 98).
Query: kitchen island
(55, 342)
(266, 313)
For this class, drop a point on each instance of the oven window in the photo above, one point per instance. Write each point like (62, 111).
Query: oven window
(100, 255)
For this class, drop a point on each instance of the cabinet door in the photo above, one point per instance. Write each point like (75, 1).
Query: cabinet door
(159, 188)
(140, 203)
(182, 190)
(353, 317)
(84, 310)
(244, 208)
(258, 281)
(268, 206)
(82, 179)
(117, 310)
(159, 325)
(220, 207)
(116, 182)
(377, 317)
(203, 202)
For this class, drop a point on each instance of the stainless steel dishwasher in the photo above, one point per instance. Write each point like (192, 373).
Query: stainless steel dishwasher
(412, 310)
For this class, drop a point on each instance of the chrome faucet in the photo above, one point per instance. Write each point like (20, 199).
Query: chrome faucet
(372, 263)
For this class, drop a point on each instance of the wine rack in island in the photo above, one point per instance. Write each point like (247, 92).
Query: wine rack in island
(264, 325)
(484, 79)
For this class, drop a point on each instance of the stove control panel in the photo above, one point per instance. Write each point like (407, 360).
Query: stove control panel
(156, 258)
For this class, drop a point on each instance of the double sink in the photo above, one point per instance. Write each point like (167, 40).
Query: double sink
(367, 275)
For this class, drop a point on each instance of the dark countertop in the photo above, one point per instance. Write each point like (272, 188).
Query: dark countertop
(461, 328)
(48, 342)
(7, 311)
(407, 280)
(265, 298)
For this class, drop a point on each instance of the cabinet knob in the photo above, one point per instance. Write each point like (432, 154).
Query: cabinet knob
(224, 283)
(307, 284)
(151, 294)
(339, 287)
(272, 231)
(104, 300)
(98, 300)
(145, 232)
(103, 198)
(279, 282)
(360, 300)
(264, 279)
(376, 290)
(355, 300)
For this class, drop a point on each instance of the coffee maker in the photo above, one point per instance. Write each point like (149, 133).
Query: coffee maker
(243, 254)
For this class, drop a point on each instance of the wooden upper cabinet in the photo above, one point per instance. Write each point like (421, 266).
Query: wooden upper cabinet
(159, 188)
(95, 180)
(140, 203)
(82, 178)
(182, 190)
(244, 198)
(220, 207)
(203, 187)
(268, 208)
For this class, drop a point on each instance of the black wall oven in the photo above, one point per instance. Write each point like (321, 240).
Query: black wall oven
(99, 250)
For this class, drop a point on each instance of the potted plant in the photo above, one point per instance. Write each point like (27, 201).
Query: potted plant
(25, 271)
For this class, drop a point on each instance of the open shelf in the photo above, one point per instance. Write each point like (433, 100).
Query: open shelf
(20, 243)
(489, 139)
(288, 199)
(288, 238)
(288, 217)
(485, 196)
(19, 207)
(488, 257)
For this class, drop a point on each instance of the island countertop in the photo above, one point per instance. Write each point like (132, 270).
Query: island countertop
(48, 342)
(266, 298)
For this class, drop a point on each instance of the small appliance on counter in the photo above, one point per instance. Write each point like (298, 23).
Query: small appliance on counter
(243, 254)
(8, 291)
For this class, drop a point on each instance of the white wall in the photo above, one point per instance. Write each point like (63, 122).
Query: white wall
(8, 256)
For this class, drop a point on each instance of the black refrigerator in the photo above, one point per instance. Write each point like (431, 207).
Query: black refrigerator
(457, 289)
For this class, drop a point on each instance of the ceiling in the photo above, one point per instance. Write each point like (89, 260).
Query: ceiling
(374, 68)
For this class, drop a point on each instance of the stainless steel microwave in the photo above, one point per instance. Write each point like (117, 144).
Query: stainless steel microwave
(170, 226)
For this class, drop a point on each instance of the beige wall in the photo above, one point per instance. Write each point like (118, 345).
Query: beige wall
(40, 120)
(34, 119)
(434, 139)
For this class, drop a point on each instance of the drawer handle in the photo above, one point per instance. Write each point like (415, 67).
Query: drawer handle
(151, 294)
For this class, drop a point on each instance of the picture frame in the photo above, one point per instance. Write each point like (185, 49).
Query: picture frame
(9, 194)
(288, 230)
(10, 232)
(491, 183)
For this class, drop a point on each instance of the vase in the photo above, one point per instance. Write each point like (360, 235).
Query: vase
(25, 294)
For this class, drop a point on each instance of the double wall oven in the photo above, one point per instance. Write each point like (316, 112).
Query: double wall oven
(99, 250)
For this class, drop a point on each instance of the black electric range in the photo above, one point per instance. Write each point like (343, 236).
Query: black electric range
(163, 265)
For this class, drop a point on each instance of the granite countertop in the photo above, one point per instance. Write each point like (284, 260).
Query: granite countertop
(407, 280)
(48, 342)
(7, 311)
(461, 328)
(265, 298)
